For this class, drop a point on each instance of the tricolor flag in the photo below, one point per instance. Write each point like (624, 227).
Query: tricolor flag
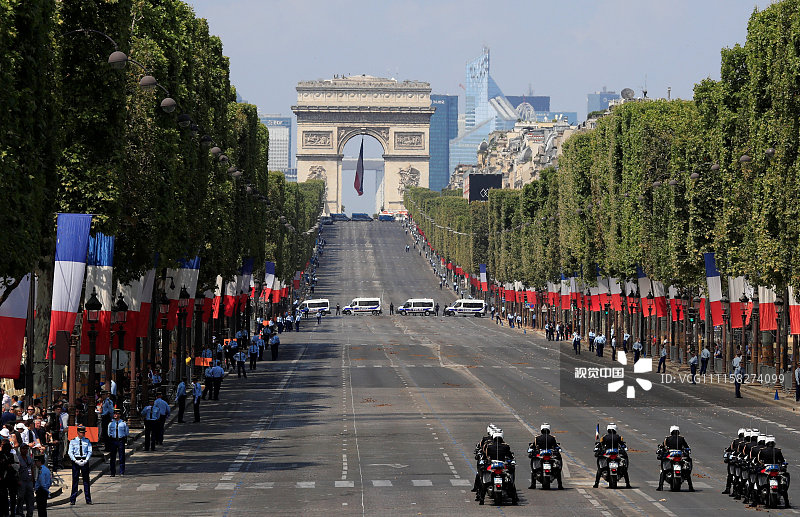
(245, 278)
(552, 293)
(143, 318)
(276, 290)
(359, 181)
(132, 294)
(217, 303)
(296, 280)
(794, 312)
(615, 289)
(737, 286)
(660, 299)
(509, 292)
(645, 288)
(13, 316)
(99, 269)
(269, 278)
(531, 296)
(484, 281)
(230, 294)
(190, 271)
(674, 302)
(767, 317)
(565, 305)
(72, 244)
(208, 304)
(714, 288)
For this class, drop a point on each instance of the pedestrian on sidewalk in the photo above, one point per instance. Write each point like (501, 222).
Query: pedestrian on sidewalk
(197, 393)
(150, 414)
(693, 365)
(117, 438)
(41, 489)
(737, 374)
(391, 308)
(162, 417)
(613, 347)
(662, 359)
(180, 398)
(637, 350)
(319, 317)
(80, 452)
(705, 355)
(25, 495)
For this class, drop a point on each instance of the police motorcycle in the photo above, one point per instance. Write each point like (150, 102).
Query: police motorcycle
(676, 465)
(545, 462)
(770, 480)
(741, 465)
(728, 457)
(497, 474)
(612, 461)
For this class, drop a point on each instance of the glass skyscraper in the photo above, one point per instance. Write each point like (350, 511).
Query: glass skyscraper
(280, 141)
(444, 127)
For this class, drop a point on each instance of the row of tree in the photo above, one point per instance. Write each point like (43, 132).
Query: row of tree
(656, 184)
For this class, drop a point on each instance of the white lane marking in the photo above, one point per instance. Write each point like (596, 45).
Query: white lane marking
(306, 484)
(460, 482)
(421, 482)
(147, 487)
(664, 509)
(225, 486)
(643, 494)
(187, 486)
(381, 482)
(264, 485)
(343, 484)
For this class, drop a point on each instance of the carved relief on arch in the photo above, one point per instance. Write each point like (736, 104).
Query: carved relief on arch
(344, 134)
(317, 172)
(409, 177)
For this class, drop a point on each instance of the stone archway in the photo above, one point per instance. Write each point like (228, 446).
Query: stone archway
(397, 114)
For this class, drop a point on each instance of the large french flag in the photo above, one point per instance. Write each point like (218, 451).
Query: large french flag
(269, 278)
(245, 278)
(674, 301)
(218, 289)
(13, 316)
(145, 305)
(99, 270)
(565, 305)
(190, 271)
(767, 317)
(509, 292)
(230, 294)
(714, 288)
(615, 289)
(359, 179)
(132, 294)
(794, 312)
(276, 290)
(484, 280)
(645, 288)
(737, 286)
(208, 305)
(660, 298)
(72, 245)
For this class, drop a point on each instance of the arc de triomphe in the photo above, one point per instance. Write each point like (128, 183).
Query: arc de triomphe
(332, 111)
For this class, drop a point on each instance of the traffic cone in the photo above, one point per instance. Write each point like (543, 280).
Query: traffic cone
(776, 394)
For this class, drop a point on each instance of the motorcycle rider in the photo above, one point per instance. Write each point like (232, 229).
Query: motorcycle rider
(544, 441)
(771, 455)
(750, 439)
(751, 483)
(673, 442)
(732, 447)
(498, 450)
(480, 457)
(610, 441)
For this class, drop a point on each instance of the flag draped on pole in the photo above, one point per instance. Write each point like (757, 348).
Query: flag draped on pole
(208, 304)
(484, 281)
(269, 278)
(794, 312)
(13, 316)
(229, 300)
(143, 318)
(245, 278)
(615, 289)
(190, 271)
(645, 288)
(565, 305)
(132, 294)
(99, 269)
(767, 317)
(218, 292)
(359, 181)
(714, 288)
(737, 286)
(72, 244)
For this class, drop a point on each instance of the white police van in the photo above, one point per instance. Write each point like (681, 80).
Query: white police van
(322, 305)
(422, 306)
(466, 307)
(358, 305)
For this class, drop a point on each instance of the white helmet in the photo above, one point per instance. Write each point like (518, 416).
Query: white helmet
(748, 433)
(611, 427)
(754, 434)
(770, 440)
(741, 432)
(489, 429)
(497, 433)
(762, 438)
(674, 429)
(545, 427)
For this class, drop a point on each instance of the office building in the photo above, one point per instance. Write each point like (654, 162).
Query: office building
(444, 127)
(280, 141)
(537, 102)
(598, 101)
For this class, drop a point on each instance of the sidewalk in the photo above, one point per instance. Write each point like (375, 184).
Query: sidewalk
(59, 494)
(761, 392)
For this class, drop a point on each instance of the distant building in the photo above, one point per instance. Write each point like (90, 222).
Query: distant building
(444, 127)
(280, 142)
(291, 174)
(537, 102)
(598, 101)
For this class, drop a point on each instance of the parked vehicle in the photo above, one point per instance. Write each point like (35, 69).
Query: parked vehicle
(424, 306)
(314, 306)
(360, 217)
(361, 305)
(466, 307)
(339, 217)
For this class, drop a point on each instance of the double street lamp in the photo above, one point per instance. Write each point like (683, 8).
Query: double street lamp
(119, 315)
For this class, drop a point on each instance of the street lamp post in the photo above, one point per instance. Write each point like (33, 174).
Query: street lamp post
(120, 317)
(650, 330)
(743, 304)
(163, 309)
(93, 308)
(777, 361)
(183, 304)
(198, 326)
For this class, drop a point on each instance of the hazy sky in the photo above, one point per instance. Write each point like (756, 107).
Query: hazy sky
(561, 48)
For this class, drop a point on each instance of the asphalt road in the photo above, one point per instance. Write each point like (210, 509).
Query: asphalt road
(379, 415)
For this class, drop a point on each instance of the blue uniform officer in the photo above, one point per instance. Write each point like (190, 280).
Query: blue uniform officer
(80, 451)
(117, 438)
(150, 414)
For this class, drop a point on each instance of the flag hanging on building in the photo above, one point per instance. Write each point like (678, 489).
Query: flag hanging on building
(72, 245)
(99, 269)
(230, 295)
(645, 288)
(565, 305)
(484, 281)
(659, 298)
(13, 316)
(714, 288)
(359, 181)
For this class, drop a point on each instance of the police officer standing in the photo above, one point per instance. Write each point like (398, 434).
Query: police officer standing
(80, 451)
(209, 381)
(705, 355)
(693, 366)
(637, 350)
(274, 341)
(738, 373)
(240, 369)
(164, 411)
(106, 411)
(117, 438)
(673, 442)
(254, 350)
(150, 414)
(198, 393)
(180, 398)
(217, 373)
(662, 359)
